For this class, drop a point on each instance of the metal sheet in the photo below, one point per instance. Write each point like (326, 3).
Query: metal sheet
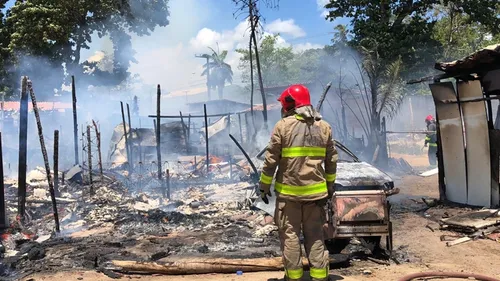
(360, 208)
(478, 219)
(477, 144)
(491, 81)
(268, 208)
(452, 142)
(360, 174)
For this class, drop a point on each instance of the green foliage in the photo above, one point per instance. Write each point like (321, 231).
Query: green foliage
(405, 29)
(5, 78)
(403, 39)
(275, 62)
(220, 71)
(57, 31)
(458, 34)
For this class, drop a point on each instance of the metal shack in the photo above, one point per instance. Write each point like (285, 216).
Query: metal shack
(468, 128)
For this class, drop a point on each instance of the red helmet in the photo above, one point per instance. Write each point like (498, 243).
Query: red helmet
(295, 96)
(429, 118)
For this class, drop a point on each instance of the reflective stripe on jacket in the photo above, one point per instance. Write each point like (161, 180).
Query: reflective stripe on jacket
(298, 148)
(431, 138)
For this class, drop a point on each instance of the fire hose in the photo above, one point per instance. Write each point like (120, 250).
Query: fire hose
(447, 275)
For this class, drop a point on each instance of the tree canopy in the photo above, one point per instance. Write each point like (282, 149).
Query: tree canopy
(275, 62)
(53, 33)
(281, 65)
(396, 28)
(219, 71)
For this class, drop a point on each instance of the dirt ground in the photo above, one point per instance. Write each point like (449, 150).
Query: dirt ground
(410, 219)
(419, 161)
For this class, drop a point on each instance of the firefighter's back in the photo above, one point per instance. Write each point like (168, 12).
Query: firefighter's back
(304, 141)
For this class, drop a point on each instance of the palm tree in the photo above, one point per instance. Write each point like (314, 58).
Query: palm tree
(218, 71)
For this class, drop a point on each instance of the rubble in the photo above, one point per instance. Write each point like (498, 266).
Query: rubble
(121, 222)
(471, 226)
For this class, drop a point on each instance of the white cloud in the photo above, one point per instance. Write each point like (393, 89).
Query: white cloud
(322, 3)
(287, 27)
(321, 7)
(167, 56)
(227, 39)
(306, 46)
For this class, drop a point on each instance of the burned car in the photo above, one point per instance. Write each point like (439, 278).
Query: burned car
(359, 206)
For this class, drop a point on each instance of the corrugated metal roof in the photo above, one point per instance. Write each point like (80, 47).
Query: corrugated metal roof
(485, 59)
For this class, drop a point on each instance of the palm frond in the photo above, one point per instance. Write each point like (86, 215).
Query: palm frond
(390, 91)
(223, 55)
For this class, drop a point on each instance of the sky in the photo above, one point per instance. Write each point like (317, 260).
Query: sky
(167, 56)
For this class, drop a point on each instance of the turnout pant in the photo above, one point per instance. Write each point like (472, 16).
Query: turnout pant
(291, 217)
(432, 155)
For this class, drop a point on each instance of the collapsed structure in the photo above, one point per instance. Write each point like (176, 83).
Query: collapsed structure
(468, 128)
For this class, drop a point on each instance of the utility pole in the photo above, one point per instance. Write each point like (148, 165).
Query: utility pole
(205, 56)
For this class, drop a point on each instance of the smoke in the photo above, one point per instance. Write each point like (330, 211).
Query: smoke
(165, 57)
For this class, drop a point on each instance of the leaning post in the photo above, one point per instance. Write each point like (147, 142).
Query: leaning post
(45, 157)
(130, 146)
(56, 162)
(127, 148)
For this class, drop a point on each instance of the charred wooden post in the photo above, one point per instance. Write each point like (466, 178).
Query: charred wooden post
(99, 154)
(126, 136)
(158, 134)
(189, 128)
(206, 138)
(247, 126)
(230, 154)
(384, 160)
(23, 149)
(45, 156)
(184, 131)
(3, 218)
(56, 163)
(89, 155)
(241, 130)
(75, 119)
(130, 148)
(168, 184)
(83, 145)
(62, 178)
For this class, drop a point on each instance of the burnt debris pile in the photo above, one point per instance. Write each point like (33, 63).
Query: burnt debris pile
(116, 222)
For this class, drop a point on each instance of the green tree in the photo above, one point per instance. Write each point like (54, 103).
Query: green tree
(458, 34)
(396, 28)
(220, 71)
(396, 40)
(57, 30)
(5, 78)
(275, 62)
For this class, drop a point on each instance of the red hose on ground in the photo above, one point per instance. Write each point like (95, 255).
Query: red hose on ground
(447, 274)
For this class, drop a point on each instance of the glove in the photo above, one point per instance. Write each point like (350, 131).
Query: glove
(263, 195)
(331, 190)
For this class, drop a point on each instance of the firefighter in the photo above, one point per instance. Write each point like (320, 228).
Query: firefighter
(300, 143)
(431, 140)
